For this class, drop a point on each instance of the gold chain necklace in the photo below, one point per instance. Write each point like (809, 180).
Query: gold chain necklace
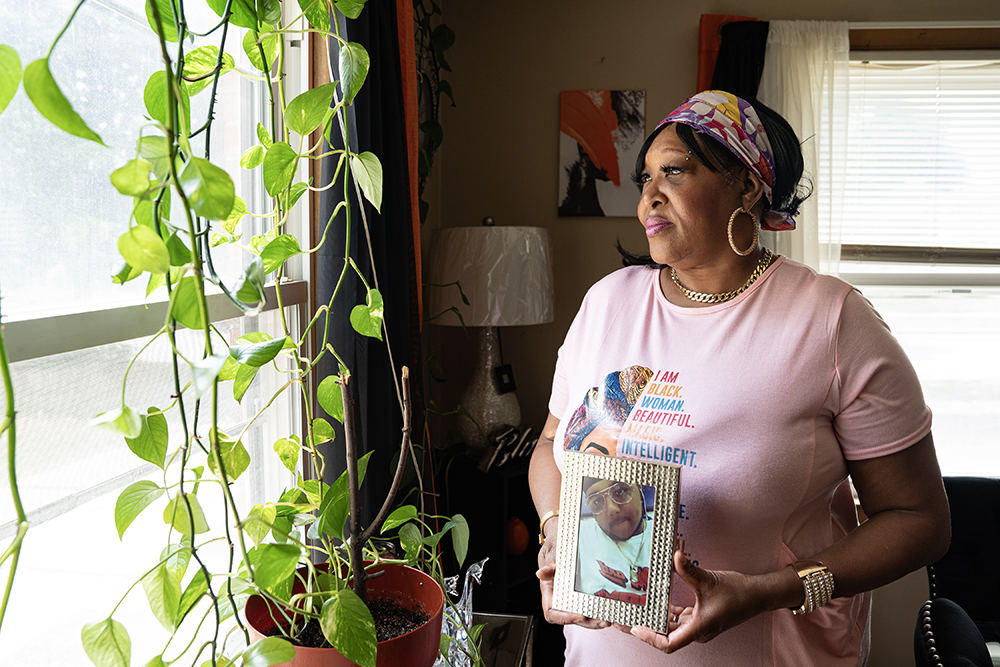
(705, 297)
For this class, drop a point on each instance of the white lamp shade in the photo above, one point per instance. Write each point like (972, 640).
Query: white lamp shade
(504, 272)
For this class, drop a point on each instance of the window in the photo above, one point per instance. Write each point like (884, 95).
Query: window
(71, 330)
(921, 234)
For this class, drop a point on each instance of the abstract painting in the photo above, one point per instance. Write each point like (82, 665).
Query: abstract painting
(600, 132)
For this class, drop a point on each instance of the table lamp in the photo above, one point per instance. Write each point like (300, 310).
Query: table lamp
(506, 275)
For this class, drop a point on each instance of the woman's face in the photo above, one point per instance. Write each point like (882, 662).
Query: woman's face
(685, 207)
(618, 521)
(602, 440)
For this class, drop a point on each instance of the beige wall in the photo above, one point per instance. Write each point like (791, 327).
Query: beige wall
(500, 156)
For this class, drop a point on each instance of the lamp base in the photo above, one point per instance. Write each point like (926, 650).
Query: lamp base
(488, 408)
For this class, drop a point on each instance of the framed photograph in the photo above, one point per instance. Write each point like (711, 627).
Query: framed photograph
(618, 525)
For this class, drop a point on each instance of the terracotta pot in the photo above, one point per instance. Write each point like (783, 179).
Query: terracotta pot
(417, 648)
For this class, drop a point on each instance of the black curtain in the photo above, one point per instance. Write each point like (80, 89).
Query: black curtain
(376, 123)
(741, 58)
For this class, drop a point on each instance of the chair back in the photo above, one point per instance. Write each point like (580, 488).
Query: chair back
(945, 636)
(969, 573)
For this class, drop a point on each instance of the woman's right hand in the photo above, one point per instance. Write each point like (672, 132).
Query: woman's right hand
(546, 576)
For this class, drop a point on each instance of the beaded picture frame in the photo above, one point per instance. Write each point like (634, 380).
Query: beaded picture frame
(610, 565)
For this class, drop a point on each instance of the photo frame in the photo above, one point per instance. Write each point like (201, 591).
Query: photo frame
(608, 565)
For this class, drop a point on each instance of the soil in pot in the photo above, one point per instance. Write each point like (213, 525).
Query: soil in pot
(391, 620)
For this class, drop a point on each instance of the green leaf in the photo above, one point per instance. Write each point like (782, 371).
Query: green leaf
(367, 169)
(244, 377)
(270, 43)
(155, 98)
(294, 193)
(253, 157)
(460, 538)
(280, 164)
(410, 540)
(124, 420)
(234, 457)
(277, 251)
(275, 564)
(235, 215)
(250, 285)
(163, 591)
(180, 254)
(268, 651)
(264, 136)
(158, 662)
(156, 149)
(350, 8)
(153, 439)
(185, 304)
(306, 112)
(132, 501)
(257, 354)
(348, 626)
(317, 13)
(44, 93)
(367, 319)
(288, 452)
(244, 13)
(204, 371)
(107, 643)
(166, 18)
(177, 556)
(229, 370)
(176, 515)
(256, 529)
(209, 189)
(332, 516)
(268, 11)
(133, 177)
(197, 587)
(330, 397)
(10, 74)
(399, 516)
(142, 248)
(125, 272)
(354, 63)
(322, 431)
(200, 63)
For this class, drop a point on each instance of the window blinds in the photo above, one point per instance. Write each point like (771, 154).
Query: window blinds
(923, 154)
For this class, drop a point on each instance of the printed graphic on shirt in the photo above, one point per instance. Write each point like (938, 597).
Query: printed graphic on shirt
(633, 414)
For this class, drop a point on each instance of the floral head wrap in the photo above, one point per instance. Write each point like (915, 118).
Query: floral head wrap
(608, 405)
(733, 122)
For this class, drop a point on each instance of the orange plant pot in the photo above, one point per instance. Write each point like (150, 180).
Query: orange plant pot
(411, 588)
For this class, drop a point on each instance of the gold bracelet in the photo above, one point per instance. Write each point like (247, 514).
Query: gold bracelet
(817, 584)
(541, 525)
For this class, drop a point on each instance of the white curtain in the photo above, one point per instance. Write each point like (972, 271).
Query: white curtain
(805, 79)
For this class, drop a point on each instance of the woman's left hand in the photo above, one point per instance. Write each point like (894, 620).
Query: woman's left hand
(722, 600)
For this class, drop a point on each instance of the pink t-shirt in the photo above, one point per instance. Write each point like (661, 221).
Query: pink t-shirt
(761, 400)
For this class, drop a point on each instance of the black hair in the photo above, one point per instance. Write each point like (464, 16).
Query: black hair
(789, 189)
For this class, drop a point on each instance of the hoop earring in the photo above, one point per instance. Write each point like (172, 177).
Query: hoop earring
(756, 231)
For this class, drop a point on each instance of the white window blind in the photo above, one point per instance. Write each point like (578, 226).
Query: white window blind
(923, 143)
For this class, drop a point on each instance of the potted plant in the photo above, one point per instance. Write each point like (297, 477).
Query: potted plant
(293, 554)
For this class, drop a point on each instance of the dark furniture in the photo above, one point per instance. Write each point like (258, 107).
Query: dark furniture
(945, 636)
(488, 500)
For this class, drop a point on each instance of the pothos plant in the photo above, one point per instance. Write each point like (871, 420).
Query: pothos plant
(183, 206)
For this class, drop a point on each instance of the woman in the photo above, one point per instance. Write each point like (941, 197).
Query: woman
(783, 383)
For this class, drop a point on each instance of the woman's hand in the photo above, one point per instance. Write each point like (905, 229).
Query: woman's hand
(722, 600)
(546, 576)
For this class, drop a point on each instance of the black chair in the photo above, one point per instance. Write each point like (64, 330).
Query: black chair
(968, 574)
(945, 636)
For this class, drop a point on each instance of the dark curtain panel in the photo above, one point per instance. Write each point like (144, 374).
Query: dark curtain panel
(741, 58)
(376, 123)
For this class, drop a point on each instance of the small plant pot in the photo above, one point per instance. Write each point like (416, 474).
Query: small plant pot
(411, 588)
